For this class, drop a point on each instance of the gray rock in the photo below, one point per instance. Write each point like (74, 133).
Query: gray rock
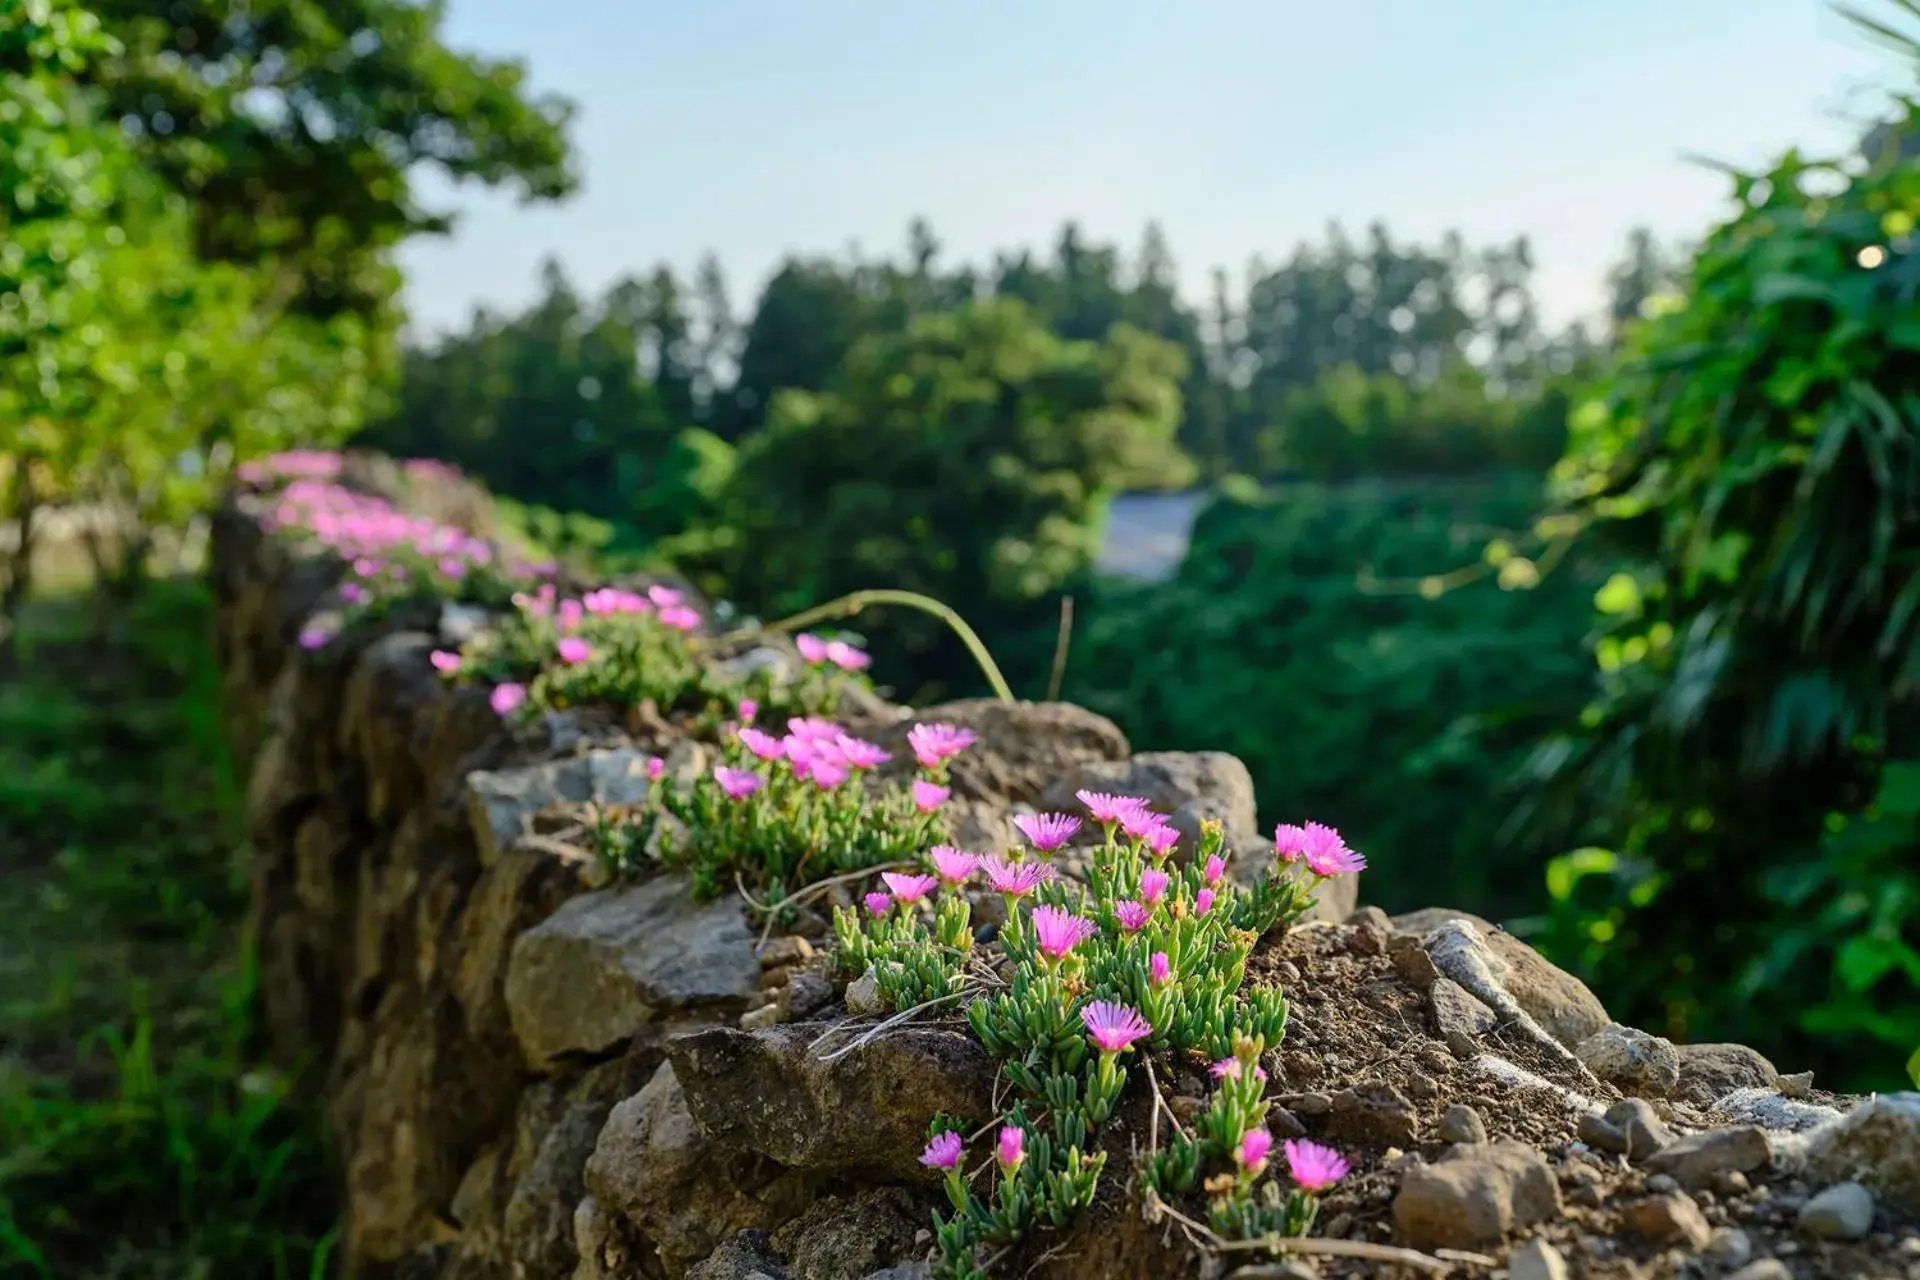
(1022, 747)
(590, 975)
(460, 623)
(1538, 1260)
(1844, 1211)
(1730, 1247)
(1631, 1060)
(1474, 1196)
(1697, 1159)
(1709, 1072)
(863, 996)
(500, 803)
(1798, 1085)
(1877, 1145)
(537, 1228)
(905, 1271)
(1461, 1123)
(1461, 953)
(1765, 1269)
(1458, 1018)
(768, 1091)
(518, 891)
(1772, 1111)
(1630, 1127)
(1555, 999)
(654, 1168)
(846, 1238)
(1189, 785)
(745, 1256)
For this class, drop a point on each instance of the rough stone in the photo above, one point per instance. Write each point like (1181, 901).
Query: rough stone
(500, 803)
(1730, 1247)
(1461, 953)
(599, 968)
(537, 1221)
(770, 1092)
(1187, 785)
(1537, 1260)
(1630, 1127)
(848, 1238)
(1631, 1060)
(653, 1167)
(1697, 1159)
(864, 999)
(1709, 1072)
(1458, 1018)
(1557, 1000)
(1844, 1211)
(1461, 1123)
(1765, 1269)
(1022, 746)
(1376, 1113)
(518, 891)
(1668, 1219)
(1474, 1196)
(1877, 1144)
(1772, 1111)
(747, 1255)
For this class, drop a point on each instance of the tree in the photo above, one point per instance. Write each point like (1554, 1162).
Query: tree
(969, 457)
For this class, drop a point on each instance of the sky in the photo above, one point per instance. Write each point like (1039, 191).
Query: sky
(761, 128)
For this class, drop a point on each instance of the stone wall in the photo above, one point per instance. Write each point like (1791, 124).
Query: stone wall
(532, 1073)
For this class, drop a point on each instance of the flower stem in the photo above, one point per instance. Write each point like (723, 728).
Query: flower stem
(848, 605)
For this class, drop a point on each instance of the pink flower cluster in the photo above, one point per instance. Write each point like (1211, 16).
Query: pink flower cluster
(1319, 846)
(295, 464)
(669, 605)
(837, 652)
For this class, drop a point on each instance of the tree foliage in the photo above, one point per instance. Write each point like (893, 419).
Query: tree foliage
(1756, 455)
(968, 458)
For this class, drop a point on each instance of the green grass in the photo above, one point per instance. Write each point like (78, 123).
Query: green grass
(140, 1134)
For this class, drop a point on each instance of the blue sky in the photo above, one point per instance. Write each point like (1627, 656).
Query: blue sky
(761, 127)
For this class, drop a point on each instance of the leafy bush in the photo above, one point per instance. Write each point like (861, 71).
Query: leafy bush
(1290, 638)
(1755, 452)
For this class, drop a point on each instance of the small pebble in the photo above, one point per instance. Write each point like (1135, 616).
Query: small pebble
(1765, 1269)
(1731, 1247)
(1732, 1182)
(1662, 1185)
(1843, 1211)
(1463, 1124)
(1310, 1104)
(1537, 1261)
(1797, 1085)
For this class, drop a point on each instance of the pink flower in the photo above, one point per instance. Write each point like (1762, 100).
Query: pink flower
(859, 753)
(764, 745)
(1328, 855)
(813, 729)
(878, 903)
(1153, 883)
(828, 772)
(738, 783)
(1138, 821)
(1132, 915)
(748, 709)
(1309, 840)
(1314, 1167)
(955, 866)
(847, 658)
(908, 889)
(811, 647)
(1159, 969)
(943, 1152)
(665, 597)
(1113, 1027)
(1106, 808)
(1058, 932)
(1160, 841)
(933, 743)
(353, 593)
(1047, 831)
(1203, 902)
(571, 611)
(316, 637)
(507, 698)
(574, 650)
(1012, 1148)
(1254, 1145)
(1216, 867)
(444, 661)
(680, 617)
(928, 796)
(1229, 1069)
(1015, 879)
(656, 769)
(453, 567)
